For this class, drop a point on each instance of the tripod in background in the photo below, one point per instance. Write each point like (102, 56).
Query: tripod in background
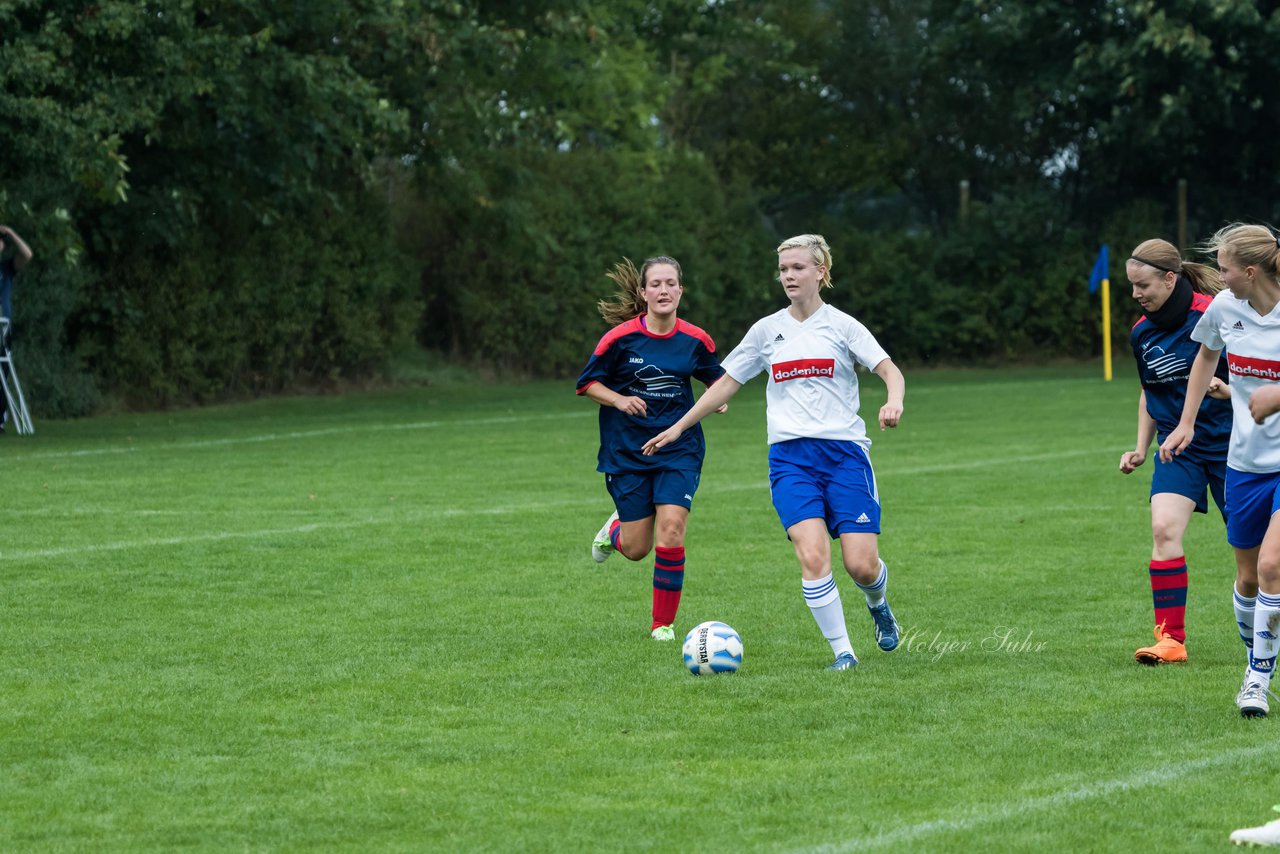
(9, 383)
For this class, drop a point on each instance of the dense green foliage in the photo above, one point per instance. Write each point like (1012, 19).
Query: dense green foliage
(227, 198)
(371, 622)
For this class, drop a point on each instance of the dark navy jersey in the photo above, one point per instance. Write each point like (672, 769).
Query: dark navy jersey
(1164, 359)
(635, 362)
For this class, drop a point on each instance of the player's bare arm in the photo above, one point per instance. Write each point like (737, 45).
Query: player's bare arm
(722, 408)
(1131, 460)
(606, 396)
(712, 399)
(896, 384)
(1264, 402)
(22, 252)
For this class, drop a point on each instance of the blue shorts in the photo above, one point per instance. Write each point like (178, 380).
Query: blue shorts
(1190, 478)
(1252, 499)
(824, 479)
(637, 495)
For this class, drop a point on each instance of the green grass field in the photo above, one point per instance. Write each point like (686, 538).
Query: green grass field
(372, 622)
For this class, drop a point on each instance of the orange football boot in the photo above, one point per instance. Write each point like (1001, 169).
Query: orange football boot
(1165, 650)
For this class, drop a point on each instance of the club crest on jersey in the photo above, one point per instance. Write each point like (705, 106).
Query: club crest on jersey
(1164, 364)
(655, 380)
(803, 369)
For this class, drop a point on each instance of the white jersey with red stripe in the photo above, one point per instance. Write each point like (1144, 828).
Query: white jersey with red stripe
(813, 387)
(1252, 342)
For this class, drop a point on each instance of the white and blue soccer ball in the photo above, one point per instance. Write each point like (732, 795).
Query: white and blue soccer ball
(712, 647)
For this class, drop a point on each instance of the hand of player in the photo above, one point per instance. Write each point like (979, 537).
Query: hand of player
(1264, 402)
(1218, 390)
(1131, 460)
(631, 406)
(666, 437)
(722, 409)
(1176, 442)
(890, 415)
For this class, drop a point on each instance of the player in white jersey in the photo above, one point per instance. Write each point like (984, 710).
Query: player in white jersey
(1244, 320)
(820, 476)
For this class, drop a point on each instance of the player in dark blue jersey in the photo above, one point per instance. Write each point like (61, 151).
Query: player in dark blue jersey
(640, 375)
(1174, 295)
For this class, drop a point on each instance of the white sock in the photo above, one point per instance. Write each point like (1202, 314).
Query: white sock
(823, 598)
(1266, 624)
(875, 590)
(1243, 606)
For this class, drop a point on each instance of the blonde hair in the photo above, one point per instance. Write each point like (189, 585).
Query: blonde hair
(1165, 257)
(819, 252)
(1250, 245)
(629, 302)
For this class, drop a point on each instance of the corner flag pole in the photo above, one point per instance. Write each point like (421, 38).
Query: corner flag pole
(1106, 329)
(1100, 276)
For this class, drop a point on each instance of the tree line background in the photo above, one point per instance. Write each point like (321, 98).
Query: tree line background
(234, 197)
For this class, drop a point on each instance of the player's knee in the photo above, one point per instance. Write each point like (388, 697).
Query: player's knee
(671, 532)
(863, 567)
(1269, 571)
(1166, 533)
(813, 561)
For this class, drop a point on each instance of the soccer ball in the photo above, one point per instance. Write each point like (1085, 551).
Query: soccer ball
(712, 647)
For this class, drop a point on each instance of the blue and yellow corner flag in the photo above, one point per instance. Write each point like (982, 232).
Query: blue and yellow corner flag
(1100, 277)
(1099, 274)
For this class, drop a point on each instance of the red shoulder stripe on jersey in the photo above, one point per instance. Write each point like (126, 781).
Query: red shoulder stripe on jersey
(583, 390)
(689, 329)
(630, 326)
(1141, 318)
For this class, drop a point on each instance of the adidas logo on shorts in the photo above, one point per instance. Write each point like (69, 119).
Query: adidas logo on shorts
(862, 519)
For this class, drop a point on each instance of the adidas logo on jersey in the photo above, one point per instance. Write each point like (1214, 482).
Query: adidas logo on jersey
(779, 338)
(862, 519)
(1237, 325)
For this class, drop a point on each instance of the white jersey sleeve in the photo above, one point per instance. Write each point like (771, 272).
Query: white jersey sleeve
(1207, 330)
(748, 359)
(863, 345)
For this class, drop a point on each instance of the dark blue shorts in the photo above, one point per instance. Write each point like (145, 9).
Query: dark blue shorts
(1191, 478)
(824, 479)
(637, 495)
(1252, 499)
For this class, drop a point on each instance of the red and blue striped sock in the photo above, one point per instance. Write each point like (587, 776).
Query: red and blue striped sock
(668, 582)
(1169, 596)
(615, 535)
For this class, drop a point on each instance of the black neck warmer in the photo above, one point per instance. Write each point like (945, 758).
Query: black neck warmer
(1173, 313)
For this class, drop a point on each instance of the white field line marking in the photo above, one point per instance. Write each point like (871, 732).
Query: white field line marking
(217, 536)
(160, 445)
(453, 512)
(976, 817)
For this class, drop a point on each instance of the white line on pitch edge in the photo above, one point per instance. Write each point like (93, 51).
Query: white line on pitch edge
(1017, 809)
(161, 445)
(122, 545)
